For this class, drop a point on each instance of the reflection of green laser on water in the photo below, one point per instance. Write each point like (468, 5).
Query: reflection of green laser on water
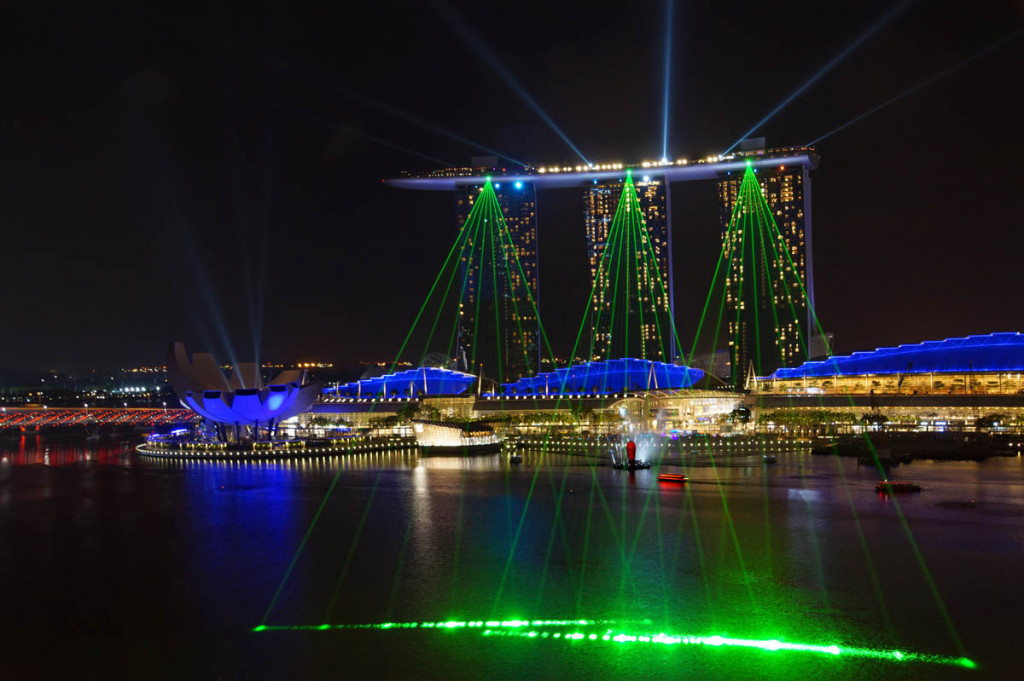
(541, 629)
(771, 645)
(450, 624)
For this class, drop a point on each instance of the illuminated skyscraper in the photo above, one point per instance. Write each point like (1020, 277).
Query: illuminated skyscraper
(652, 335)
(768, 330)
(498, 328)
(647, 328)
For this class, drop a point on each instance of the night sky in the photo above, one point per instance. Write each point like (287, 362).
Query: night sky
(211, 172)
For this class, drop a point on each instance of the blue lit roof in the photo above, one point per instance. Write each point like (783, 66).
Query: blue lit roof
(994, 352)
(410, 383)
(609, 376)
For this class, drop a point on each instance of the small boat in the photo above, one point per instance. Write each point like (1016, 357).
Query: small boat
(896, 487)
(672, 477)
(634, 465)
(515, 458)
(92, 431)
(771, 458)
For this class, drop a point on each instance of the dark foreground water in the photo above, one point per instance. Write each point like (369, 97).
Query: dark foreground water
(115, 566)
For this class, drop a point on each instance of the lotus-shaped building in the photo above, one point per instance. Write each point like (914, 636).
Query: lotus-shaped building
(241, 400)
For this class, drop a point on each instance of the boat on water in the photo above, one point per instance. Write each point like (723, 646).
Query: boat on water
(515, 458)
(771, 458)
(896, 487)
(631, 465)
(444, 438)
(672, 477)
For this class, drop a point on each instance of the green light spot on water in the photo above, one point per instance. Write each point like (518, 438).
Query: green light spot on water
(536, 629)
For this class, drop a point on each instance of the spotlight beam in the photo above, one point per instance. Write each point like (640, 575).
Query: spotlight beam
(885, 19)
(326, 122)
(386, 108)
(235, 47)
(408, 117)
(923, 84)
(669, 11)
(459, 26)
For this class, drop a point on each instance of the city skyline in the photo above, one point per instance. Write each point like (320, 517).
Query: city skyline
(166, 199)
(631, 295)
(698, 349)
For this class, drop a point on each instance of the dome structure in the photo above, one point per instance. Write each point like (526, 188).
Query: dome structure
(609, 376)
(241, 399)
(987, 353)
(423, 380)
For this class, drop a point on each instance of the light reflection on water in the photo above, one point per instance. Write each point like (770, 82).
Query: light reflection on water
(744, 549)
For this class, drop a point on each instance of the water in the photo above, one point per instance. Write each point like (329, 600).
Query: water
(119, 566)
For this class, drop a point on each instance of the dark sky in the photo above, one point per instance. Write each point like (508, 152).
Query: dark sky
(205, 171)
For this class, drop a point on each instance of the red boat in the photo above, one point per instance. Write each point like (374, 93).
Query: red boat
(672, 477)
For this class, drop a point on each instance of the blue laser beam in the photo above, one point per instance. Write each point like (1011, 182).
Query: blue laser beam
(885, 19)
(669, 10)
(923, 84)
(459, 25)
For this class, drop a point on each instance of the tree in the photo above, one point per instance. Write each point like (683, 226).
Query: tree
(989, 421)
(580, 412)
(815, 419)
(740, 415)
(874, 418)
(409, 411)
